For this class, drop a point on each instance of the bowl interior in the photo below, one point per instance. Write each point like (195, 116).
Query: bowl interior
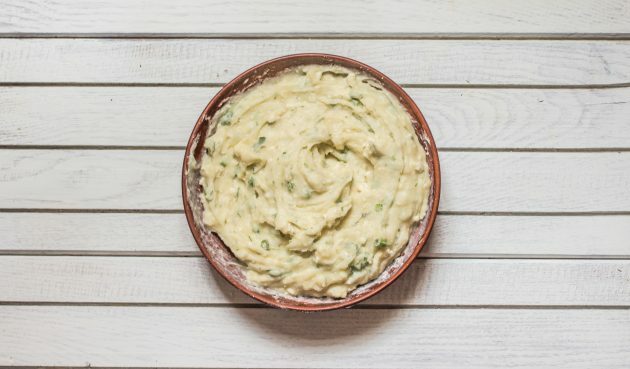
(219, 254)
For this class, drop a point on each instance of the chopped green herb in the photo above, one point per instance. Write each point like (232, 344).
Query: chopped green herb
(264, 244)
(379, 242)
(359, 264)
(238, 191)
(356, 101)
(225, 119)
(378, 207)
(258, 144)
(290, 186)
(250, 181)
(284, 153)
(210, 149)
(223, 164)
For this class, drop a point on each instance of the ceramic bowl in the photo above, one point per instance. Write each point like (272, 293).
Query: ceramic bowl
(221, 257)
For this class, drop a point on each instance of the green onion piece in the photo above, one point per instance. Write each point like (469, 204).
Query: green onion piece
(258, 144)
(356, 101)
(359, 264)
(225, 119)
(290, 186)
(210, 149)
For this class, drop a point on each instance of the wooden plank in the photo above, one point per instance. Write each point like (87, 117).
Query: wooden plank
(433, 62)
(282, 16)
(522, 182)
(472, 181)
(96, 232)
(90, 179)
(530, 236)
(267, 338)
(459, 118)
(87, 279)
(453, 235)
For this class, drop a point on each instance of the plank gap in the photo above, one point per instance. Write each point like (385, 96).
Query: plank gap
(197, 254)
(404, 85)
(329, 36)
(256, 305)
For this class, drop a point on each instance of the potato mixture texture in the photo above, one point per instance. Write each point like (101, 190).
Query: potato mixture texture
(313, 179)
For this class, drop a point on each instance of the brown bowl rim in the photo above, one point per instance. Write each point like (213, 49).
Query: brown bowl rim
(395, 89)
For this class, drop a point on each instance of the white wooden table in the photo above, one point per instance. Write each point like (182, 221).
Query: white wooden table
(529, 263)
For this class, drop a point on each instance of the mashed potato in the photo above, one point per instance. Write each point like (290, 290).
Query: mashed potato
(313, 180)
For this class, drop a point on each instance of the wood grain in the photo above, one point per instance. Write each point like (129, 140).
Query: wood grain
(267, 338)
(97, 232)
(453, 235)
(90, 179)
(472, 181)
(459, 118)
(432, 62)
(283, 16)
(513, 182)
(427, 282)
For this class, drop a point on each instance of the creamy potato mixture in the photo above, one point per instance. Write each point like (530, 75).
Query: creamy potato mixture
(313, 180)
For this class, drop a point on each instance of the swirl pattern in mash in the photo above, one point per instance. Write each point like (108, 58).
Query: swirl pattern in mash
(313, 179)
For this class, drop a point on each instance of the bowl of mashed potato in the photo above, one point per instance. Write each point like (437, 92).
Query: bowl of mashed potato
(311, 182)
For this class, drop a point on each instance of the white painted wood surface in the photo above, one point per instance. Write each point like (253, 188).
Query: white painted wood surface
(459, 118)
(424, 62)
(454, 236)
(188, 280)
(327, 16)
(528, 265)
(471, 181)
(264, 338)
